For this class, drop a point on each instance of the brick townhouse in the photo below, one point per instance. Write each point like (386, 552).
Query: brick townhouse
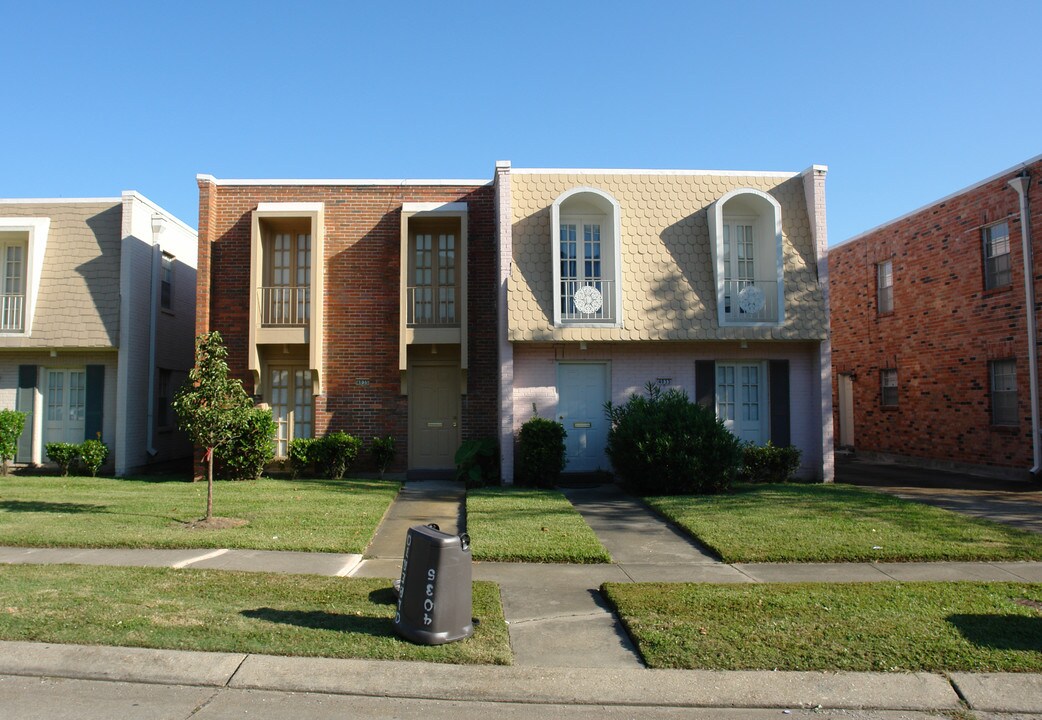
(934, 318)
(359, 305)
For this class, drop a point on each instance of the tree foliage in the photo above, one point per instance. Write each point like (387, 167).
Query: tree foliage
(212, 408)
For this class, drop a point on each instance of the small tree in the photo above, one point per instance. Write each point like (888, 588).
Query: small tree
(12, 423)
(211, 407)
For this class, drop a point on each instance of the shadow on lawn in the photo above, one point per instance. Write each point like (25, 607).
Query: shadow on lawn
(1000, 632)
(51, 507)
(320, 620)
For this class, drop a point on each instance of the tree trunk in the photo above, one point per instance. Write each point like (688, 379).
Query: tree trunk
(209, 486)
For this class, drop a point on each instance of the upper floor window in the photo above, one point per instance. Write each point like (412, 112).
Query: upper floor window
(996, 256)
(13, 252)
(166, 282)
(586, 257)
(885, 287)
(1003, 391)
(434, 272)
(888, 387)
(745, 229)
(287, 287)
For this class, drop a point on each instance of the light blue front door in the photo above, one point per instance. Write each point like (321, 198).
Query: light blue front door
(582, 391)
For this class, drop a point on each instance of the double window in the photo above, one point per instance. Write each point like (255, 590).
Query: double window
(12, 288)
(287, 294)
(434, 277)
(581, 267)
(885, 287)
(586, 257)
(1003, 380)
(292, 406)
(746, 241)
(996, 256)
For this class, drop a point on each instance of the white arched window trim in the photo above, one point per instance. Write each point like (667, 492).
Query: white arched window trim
(768, 237)
(610, 207)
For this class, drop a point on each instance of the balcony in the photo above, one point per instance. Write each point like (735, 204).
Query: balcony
(12, 313)
(284, 307)
(750, 301)
(432, 307)
(587, 301)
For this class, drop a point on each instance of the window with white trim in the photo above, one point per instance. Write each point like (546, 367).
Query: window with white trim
(13, 251)
(885, 287)
(586, 257)
(888, 387)
(745, 232)
(292, 406)
(1003, 381)
(997, 271)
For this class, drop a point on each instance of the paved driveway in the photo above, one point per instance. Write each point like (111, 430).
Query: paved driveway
(1017, 503)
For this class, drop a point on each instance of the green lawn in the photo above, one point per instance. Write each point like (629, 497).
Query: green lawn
(529, 525)
(229, 612)
(837, 523)
(887, 626)
(305, 515)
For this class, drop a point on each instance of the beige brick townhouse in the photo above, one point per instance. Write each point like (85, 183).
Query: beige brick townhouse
(97, 315)
(713, 282)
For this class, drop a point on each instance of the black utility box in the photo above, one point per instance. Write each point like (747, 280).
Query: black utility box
(434, 596)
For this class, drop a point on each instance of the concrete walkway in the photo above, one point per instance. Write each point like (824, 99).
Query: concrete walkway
(569, 649)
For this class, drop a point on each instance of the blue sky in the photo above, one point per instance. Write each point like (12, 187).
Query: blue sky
(904, 101)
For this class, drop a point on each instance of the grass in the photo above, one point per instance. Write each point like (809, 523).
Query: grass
(894, 627)
(838, 523)
(304, 515)
(529, 525)
(229, 612)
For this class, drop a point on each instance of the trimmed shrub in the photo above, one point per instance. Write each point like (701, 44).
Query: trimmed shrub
(92, 454)
(62, 453)
(12, 423)
(302, 454)
(335, 453)
(769, 463)
(664, 444)
(246, 456)
(477, 462)
(383, 452)
(540, 452)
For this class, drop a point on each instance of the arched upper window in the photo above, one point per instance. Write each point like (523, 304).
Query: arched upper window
(745, 228)
(586, 258)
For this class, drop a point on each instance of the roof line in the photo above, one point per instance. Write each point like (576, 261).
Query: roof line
(409, 182)
(60, 200)
(632, 171)
(944, 199)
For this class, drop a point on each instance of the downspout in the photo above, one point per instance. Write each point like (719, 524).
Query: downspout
(1021, 184)
(153, 313)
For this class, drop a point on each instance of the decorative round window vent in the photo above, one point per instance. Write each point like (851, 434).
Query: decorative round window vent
(588, 300)
(751, 299)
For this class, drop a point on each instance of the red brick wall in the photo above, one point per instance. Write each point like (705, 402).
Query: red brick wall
(361, 295)
(943, 331)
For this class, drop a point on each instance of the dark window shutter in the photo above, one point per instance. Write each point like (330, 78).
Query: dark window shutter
(705, 383)
(779, 401)
(27, 375)
(92, 424)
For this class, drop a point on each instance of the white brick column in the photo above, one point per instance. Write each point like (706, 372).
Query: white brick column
(814, 190)
(504, 261)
